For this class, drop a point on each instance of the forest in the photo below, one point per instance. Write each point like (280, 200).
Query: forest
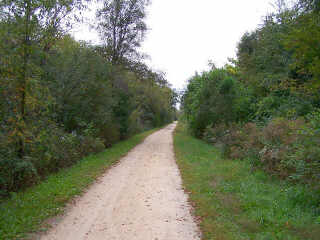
(62, 99)
(264, 105)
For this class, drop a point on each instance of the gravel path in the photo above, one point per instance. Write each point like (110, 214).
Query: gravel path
(140, 198)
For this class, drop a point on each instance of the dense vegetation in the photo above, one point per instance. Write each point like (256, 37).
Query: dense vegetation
(23, 215)
(264, 105)
(233, 202)
(61, 99)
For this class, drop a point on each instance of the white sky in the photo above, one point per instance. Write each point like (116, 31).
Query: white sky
(185, 34)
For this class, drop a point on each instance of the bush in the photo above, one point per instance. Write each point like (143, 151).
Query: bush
(238, 141)
(287, 148)
(109, 133)
(214, 134)
(243, 142)
(305, 157)
(279, 136)
(52, 149)
(280, 105)
(89, 145)
(216, 97)
(46, 150)
(135, 122)
(15, 173)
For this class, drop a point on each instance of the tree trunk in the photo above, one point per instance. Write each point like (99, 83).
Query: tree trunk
(24, 76)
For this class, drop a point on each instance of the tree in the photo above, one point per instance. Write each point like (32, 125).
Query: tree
(60, 99)
(122, 28)
(308, 5)
(303, 41)
(29, 28)
(79, 81)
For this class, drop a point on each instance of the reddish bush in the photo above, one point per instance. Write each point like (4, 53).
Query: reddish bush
(283, 147)
(281, 131)
(279, 137)
(242, 142)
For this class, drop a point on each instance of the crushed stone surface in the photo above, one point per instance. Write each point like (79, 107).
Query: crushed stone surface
(139, 198)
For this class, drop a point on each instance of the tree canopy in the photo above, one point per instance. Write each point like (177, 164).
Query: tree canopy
(61, 99)
(264, 105)
(122, 27)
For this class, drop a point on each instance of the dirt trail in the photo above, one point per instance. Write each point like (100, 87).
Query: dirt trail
(140, 198)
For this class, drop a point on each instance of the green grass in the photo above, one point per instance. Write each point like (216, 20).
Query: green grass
(234, 202)
(25, 212)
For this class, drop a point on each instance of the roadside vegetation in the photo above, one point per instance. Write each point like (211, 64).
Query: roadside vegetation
(61, 99)
(25, 212)
(264, 105)
(234, 201)
(262, 111)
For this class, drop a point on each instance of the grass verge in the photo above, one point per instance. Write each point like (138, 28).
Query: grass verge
(24, 212)
(234, 202)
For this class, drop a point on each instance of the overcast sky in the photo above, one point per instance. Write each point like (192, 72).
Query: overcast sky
(185, 34)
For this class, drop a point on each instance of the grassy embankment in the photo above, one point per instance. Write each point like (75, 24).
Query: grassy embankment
(234, 202)
(25, 212)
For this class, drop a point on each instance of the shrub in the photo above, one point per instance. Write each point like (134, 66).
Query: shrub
(46, 150)
(282, 105)
(15, 173)
(214, 134)
(109, 133)
(278, 139)
(51, 149)
(89, 145)
(244, 141)
(238, 141)
(135, 122)
(287, 148)
(305, 157)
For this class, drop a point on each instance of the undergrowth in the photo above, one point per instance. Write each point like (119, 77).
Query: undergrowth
(235, 201)
(25, 212)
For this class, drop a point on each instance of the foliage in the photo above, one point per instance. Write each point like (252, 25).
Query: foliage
(60, 99)
(24, 212)
(302, 40)
(264, 104)
(122, 27)
(233, 202)
(215, 97)
(305, 155)
(287, 148)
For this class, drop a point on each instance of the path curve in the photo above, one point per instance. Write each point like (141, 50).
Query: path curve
(140, 198)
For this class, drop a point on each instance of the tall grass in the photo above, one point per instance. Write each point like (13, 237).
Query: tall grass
(234, 202)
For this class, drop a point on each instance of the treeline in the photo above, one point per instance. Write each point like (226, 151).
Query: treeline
(61, 99)
(265, 105)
